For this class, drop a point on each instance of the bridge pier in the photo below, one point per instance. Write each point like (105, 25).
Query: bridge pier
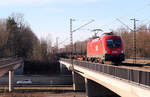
(11, 76)
(61, 68)
(78, 82)
(64, 70)
(94, 89)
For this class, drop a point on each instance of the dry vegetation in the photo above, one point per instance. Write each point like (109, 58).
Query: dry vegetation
(142, 43)
(44, 94)
(18, 40)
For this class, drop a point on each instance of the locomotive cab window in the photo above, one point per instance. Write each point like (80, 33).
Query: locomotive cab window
(113, 43)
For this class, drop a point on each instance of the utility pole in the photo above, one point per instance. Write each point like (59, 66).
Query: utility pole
(71, 34)
(56, 45)
(71, 43)
(71, 40)
(134, 40)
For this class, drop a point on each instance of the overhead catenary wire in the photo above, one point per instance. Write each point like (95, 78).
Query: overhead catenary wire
(124, 24)
(116, 19)
(83, 25)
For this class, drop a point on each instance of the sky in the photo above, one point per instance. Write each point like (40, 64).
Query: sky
(51, 18)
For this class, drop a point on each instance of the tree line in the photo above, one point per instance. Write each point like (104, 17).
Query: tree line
(18, 40)
(142, 43)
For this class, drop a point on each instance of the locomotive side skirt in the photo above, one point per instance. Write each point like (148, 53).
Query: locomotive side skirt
(108, 57)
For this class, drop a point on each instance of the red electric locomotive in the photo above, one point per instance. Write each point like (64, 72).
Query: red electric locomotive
(107, 47)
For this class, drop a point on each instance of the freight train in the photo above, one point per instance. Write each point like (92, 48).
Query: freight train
(106, 48)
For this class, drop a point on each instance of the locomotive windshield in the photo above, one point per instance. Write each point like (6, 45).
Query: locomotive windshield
(113, 43)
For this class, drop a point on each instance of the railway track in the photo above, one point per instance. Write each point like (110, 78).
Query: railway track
(7, 61)
(142, 65)
(138, 61)
(39, 87)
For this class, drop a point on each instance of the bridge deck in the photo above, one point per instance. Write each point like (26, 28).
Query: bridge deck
(123, 81)
(9, 64)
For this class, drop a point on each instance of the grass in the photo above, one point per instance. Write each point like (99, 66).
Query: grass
(22, 95)
(38, 93)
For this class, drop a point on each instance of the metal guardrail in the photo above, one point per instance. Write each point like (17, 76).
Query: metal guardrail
(137, 76)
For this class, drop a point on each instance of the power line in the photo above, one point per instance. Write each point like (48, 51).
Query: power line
(71, 39)
(57, 45)
(134, 36)
(71, 32)
(83, 25)
(136, 11)
(62, 42)
(124, 24)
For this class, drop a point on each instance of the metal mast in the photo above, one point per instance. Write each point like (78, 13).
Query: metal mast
(134, 40)
(56, 45)
(71, 40)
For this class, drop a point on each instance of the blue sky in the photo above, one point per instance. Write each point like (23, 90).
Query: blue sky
(50, 18)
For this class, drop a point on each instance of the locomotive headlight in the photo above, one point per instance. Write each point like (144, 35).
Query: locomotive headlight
(105, 51)
(122, 51)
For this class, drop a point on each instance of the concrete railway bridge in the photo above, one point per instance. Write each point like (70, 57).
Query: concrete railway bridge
(98, 79)
(9, 65)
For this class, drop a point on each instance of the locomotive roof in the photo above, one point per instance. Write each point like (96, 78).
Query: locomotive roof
(104, 35)
(109, 33)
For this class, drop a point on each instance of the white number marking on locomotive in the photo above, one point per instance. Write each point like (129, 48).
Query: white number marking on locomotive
(114, 52)
(96, 48)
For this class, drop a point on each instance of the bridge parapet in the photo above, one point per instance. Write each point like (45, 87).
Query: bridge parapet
(138, 77)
